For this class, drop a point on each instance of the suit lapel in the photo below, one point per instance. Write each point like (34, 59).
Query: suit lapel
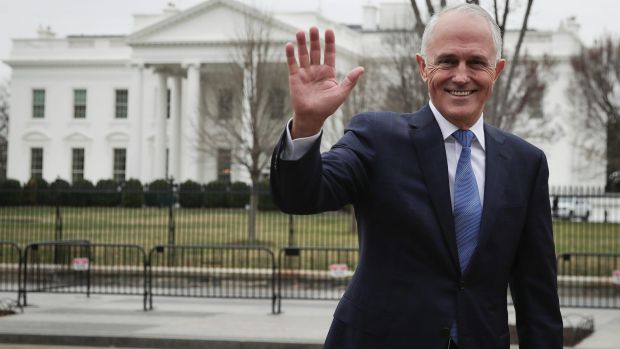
(431, 152)
(496, 175)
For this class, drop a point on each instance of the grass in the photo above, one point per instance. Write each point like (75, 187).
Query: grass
(147, 227)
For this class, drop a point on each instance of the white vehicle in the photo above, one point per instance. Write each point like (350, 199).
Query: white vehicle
(570, 207)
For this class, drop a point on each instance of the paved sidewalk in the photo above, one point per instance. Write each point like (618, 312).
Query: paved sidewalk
(60, 319)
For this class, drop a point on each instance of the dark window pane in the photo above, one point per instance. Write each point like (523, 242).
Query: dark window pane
(79, 104)
(38, 103)
(120, 160)
(223, 165)
(121, 104)
(77, 164)
(36, 163)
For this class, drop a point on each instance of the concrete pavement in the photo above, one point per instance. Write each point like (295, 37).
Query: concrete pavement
(65, 320)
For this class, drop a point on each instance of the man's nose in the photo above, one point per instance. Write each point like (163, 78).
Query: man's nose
(461, 74)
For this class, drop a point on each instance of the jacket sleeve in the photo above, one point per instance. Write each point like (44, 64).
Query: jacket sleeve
(324, 182)
(534, 277)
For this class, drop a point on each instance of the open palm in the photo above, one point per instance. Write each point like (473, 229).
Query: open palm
(315, 92)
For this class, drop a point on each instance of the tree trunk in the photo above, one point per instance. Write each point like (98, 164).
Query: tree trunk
(252, 212)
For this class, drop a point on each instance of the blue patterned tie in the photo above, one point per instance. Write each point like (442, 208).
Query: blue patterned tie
(467, 208)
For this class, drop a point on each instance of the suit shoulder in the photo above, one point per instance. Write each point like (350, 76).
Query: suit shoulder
(376, 121)
(515, 142)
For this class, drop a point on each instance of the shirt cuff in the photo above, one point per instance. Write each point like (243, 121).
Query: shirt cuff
(295, 149)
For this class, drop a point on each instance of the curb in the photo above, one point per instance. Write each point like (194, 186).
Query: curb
(156, 343)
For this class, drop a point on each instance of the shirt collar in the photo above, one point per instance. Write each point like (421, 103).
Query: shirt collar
(447, 128)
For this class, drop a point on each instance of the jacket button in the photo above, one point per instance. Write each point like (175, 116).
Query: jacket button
(461, 285)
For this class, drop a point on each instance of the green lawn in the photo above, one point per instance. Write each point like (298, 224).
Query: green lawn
(147, 227)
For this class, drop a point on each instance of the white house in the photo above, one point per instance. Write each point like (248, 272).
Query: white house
(124, 107)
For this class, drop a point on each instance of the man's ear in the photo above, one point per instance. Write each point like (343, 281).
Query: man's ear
(499, 67)
(421, 66)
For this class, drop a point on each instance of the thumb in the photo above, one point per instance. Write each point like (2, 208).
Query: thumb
(351, 79)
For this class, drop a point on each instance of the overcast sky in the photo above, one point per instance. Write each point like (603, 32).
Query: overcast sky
(20, 18)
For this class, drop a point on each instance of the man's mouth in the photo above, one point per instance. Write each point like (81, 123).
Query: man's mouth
(460, 93)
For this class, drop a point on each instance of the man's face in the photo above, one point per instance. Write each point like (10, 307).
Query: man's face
(460, 68)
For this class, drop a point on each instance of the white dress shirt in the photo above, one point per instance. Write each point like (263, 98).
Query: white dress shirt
(296, 148)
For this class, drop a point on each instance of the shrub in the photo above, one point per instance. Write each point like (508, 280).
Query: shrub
(190, 194)
(132, 194)
(59, 192)
(82, 192)
(106, 193)
(265, 201)
(36, 192)
(11, 194)
(239, 194)
(216, 194)
(159, 194)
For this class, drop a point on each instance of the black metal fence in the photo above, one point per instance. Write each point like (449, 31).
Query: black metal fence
(315, 272)
(10, 268)
(586, 221)
(212, 271)
(589, 280)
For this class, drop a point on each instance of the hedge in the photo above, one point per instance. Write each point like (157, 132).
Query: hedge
(11, 192)
(190, 194)
(132, 194)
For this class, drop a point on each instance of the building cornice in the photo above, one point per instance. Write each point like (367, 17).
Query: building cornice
(19, 63)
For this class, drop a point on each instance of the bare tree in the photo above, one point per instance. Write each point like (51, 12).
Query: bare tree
(247, 112)
(595, 94)
(406, 92)
(520, 87)
(4, 127)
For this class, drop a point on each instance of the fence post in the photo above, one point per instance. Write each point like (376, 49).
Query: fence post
(171, 225)
(58, 233)
(291, 231)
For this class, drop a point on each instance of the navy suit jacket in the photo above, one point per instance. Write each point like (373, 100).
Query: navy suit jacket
(408, 286)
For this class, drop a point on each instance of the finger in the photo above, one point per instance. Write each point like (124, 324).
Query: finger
(330, 48)
(302, 50)
(315, 46)
(351, 79)
(290, 59)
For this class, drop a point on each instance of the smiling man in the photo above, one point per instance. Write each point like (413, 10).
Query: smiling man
(451, 211)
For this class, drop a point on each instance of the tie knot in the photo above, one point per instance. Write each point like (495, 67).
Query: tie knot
(464, 137)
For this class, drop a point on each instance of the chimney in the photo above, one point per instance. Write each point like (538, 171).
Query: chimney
(570, 25)
(45, 32)
(370, 17)
(170, 9)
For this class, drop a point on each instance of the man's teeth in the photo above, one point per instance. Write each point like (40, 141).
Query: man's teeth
(460, 93)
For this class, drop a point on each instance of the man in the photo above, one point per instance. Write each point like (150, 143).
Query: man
(450, 210)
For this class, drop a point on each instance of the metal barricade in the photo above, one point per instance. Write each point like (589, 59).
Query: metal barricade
(78, 266)
(589, 280)
(315, 273)
(10, 268)
(56, 266)
(212, 271)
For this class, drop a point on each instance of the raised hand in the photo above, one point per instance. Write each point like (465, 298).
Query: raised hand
(315, 92)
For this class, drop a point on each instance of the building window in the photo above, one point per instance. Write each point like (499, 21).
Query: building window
(225, 104)
(120, 104)
(120, 160)
(79, 104)
(223, 165)
(38, 104)
(276, 103)
(168, 104)
(36, 163)
(77, 164)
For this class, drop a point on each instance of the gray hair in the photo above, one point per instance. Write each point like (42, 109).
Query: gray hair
(469, 9)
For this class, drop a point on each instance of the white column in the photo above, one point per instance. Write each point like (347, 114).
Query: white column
(241, 172)
(134, 151)
(160, 126)
(194, 160)
(175, 146)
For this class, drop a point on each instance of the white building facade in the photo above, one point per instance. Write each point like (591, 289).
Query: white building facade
(101, 107)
